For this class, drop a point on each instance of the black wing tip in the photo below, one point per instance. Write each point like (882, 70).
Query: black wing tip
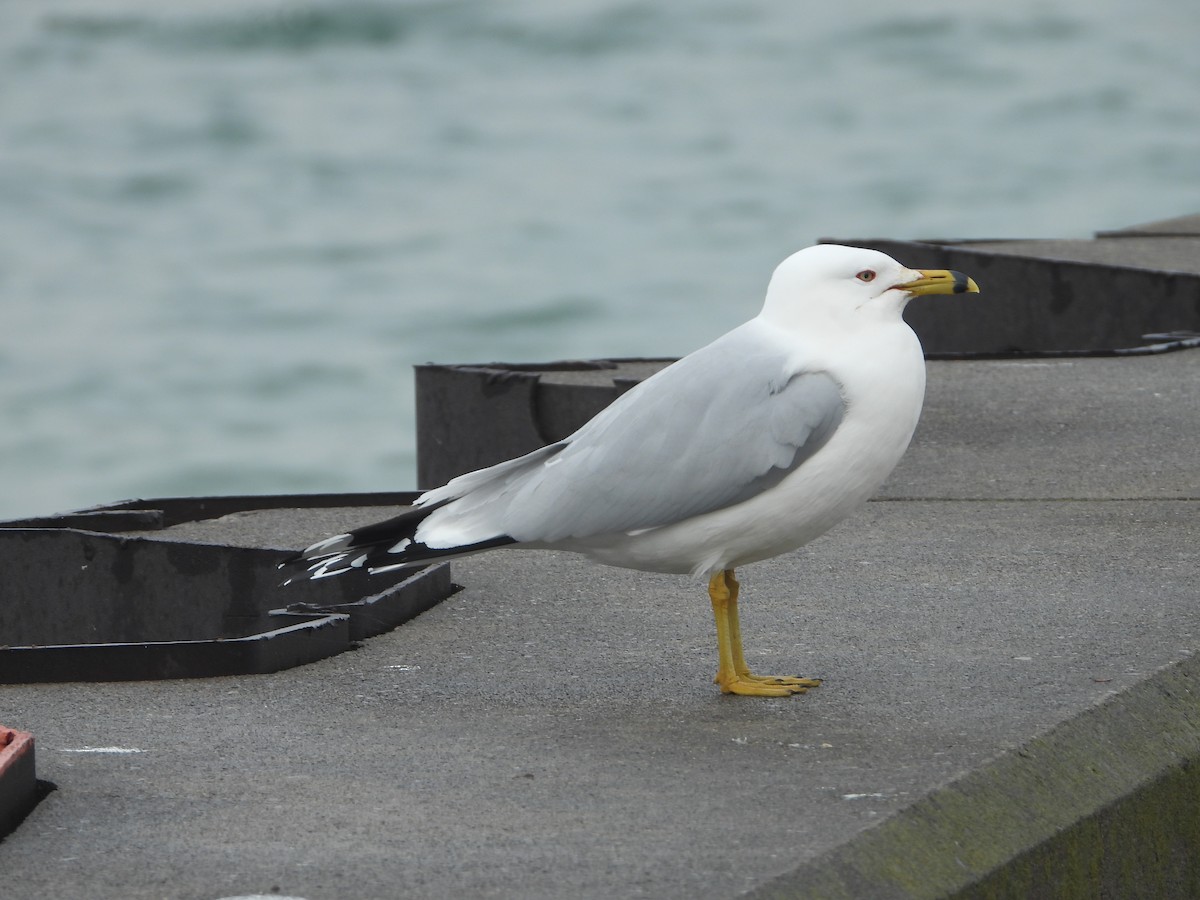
(376, 549)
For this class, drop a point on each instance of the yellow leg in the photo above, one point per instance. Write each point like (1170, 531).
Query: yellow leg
(733, 675)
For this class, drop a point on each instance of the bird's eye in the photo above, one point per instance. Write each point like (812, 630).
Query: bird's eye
(865, 275)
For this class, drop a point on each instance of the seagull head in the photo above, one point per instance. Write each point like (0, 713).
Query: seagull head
(833, 283)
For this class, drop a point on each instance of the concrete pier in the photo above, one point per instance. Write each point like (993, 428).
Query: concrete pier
(1011, 705)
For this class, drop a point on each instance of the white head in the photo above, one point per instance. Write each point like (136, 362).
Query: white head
(831, 283)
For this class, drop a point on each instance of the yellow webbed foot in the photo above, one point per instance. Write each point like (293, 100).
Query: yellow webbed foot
(782, 679)
(765, 685)
(733, 675)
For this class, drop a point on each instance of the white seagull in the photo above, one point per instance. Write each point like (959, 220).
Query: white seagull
(745, 449)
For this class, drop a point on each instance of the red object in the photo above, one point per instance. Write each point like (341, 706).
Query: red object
(18, 783)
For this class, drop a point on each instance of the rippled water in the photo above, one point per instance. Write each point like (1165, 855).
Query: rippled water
(229, 229)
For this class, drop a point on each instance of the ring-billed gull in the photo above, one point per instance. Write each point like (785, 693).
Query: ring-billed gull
(745, 449)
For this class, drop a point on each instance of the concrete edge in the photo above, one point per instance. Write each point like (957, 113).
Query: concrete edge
(1106, 804)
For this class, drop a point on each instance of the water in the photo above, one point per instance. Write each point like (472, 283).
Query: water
(229, 229)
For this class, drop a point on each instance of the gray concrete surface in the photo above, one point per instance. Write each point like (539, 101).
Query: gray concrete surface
(552, 730)
(1169, 246)
(1167, 254)
(1095, 429)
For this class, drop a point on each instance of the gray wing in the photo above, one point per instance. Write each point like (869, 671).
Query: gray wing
(714, 429)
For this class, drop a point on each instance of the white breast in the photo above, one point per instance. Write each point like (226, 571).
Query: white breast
(883, 383)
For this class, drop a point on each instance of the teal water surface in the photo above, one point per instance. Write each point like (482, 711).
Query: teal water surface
(229, 229)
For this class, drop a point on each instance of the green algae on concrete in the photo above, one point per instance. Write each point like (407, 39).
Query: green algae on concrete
(1104, 805)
